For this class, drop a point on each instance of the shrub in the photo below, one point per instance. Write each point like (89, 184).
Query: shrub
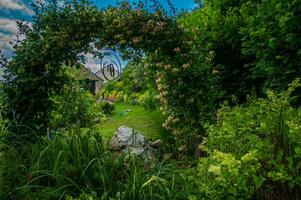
(254, 150)
(270, 36)
(107, 107)
(223, 176)
(76, 107)
(148, 100)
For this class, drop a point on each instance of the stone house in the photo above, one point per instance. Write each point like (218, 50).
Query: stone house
(89, 80)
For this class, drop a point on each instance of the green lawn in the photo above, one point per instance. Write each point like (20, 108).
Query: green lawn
(149, 123)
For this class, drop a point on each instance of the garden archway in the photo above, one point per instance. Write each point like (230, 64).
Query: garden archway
(60, 35)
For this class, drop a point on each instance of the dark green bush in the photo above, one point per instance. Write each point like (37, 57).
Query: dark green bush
(270, 36)
(234, 49)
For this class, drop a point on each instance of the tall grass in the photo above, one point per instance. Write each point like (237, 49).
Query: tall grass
(74, 162)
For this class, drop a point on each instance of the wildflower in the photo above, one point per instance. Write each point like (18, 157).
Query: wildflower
(167, 67)
(216, 170)
(158, 64)
(175, 70)
(189, 42)
(186, 66)
(182, 148)
(177, 50)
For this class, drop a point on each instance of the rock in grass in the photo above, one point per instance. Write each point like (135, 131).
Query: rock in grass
(126, 137)
(132, 142)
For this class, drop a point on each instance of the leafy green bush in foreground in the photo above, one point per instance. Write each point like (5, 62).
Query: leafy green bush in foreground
(254, 151)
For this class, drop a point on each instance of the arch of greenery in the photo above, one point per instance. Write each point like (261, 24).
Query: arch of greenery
(60, 35)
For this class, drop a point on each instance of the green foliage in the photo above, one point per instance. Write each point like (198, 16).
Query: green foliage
(38, 167)
(226, 50)
(56, 166)
(83, 196)
(198, 60)
(36, 73)
(254, 150)
(270, 36)
(148, 100)
(163, 181)
(135, 86)
(107, 108)
(222, 176)
(233, 49)
(76, 107)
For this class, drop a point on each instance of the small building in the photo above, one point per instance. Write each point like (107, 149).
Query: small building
(89, 80)
(93, 78)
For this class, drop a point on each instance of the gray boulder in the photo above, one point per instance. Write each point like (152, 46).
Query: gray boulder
(132, 142)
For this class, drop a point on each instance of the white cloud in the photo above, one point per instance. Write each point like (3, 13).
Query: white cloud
(5, 46)
(15, 5)
(4, 41)
(93, 64)
(8, 25)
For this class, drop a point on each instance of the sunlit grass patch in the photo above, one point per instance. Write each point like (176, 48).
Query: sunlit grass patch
(149, 123)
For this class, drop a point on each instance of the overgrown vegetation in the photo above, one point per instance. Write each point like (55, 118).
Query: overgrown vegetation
(240, 49)
(226, 75)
